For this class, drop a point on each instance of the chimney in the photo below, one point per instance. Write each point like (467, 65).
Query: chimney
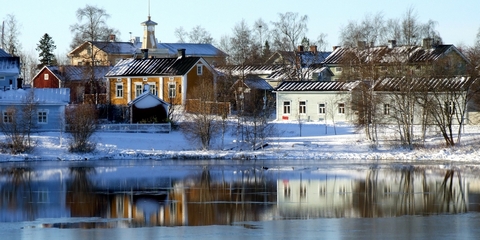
(145, 53)
(300, 48)
(427, 43)
(335, 47)
(392, 44)
(313, 49)
(181, 53)
(111, 38)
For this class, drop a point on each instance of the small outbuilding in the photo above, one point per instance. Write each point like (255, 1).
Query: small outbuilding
(148, 108)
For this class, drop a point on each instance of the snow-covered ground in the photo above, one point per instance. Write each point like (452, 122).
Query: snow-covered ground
(316, 141)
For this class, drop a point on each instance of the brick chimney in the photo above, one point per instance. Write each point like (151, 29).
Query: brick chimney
(313, 49)
(111, 38)
(181, 53)
(300, 48)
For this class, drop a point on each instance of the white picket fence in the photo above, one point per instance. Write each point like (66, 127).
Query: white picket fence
(136, 128)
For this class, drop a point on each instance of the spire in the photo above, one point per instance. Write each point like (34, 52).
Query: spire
(149, 40)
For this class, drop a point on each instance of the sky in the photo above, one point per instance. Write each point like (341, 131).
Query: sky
(458, 21)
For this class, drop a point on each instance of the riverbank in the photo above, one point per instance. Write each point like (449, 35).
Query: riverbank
(313, 141)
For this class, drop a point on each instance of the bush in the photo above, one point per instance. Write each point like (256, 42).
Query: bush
(81, 125)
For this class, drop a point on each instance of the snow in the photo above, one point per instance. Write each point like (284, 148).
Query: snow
(317, 142)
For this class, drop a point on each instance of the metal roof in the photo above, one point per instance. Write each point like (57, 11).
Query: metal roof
(423, 84)
(117, 47)
(256, 83)
(153, 66)
(385, 54)
(192, 49)
(4, 54)
(78, 73)
(297, 86)
(239, 70)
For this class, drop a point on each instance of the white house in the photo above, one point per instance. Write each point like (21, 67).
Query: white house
(314, 101)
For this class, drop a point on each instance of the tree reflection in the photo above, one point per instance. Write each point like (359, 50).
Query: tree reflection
(17, 193)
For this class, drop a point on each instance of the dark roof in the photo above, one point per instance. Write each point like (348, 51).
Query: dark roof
(153, 66)
(192, 49)
(239, 70)
(384, 54)
(298, 86)
(307, 57)
(423, 84)
(256, 83)
(78, 73)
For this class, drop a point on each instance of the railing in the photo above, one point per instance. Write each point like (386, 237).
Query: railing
(136, 128)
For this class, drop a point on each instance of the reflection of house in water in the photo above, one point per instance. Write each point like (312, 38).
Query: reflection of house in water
(382, 193)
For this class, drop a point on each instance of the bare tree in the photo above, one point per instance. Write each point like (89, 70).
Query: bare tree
(82, 124)
(289, 30)
(198, 34)
(11, 43)
(370, 30)
(201, 125)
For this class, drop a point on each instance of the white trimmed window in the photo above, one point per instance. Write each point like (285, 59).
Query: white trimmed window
(42, 116)
(153, 88)
(386, 109)
(449, 107)
(7, 116)
(321, 108)
(302, 107)
(138, 89)
(172, 90)
(119, 90)
(45, 76)
(199, 69)
(338, 69)
(286, 107)
(341, 108)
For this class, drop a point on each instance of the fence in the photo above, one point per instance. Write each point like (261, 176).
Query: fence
(136, 128)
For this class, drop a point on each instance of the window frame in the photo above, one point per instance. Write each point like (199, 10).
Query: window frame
(200, 69)
(386, 109)
(119, 90)
(302, 107)
(287, 105)
(46, 76)
(153, 88)
(138, 89)
(341, 108)
(42, 119)
(322, 109)
(172, 92)
(7, 116)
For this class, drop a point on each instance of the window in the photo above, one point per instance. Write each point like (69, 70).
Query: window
(449, 107)
(286, 107)
(2, 78)
(119, 90)
(321, 108)
(45, 76)
(153, 88)
(42, 116)
(138, 89)
(386, 109)
(302, 107)
(341, 108)
(7, 116)
(172, 90)
(338, 69)
(199, 69)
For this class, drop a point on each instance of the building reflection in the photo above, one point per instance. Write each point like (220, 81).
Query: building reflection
(212, 196)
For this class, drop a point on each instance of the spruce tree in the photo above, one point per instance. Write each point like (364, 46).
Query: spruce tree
(46, 47)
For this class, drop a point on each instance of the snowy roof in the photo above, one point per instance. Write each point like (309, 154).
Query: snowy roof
(256, 83)
(41, 96)
(117, 47)
(153, 66)
(147, 100)
(192, 49)
(9, 65)
(316, 86)
(423, 84)
(78, 73)
(4, 54)
(385, 54)
(239, 70)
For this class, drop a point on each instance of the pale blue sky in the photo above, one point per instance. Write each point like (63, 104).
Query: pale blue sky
(458, 21)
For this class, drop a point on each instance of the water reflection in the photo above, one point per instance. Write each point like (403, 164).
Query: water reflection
(137, 196)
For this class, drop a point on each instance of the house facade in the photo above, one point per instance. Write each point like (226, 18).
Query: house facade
(172, 80)
(49, 106)
(9, 71)
(325, 101)
(77, 79)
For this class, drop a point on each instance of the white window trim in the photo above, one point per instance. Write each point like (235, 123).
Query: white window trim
(5, 116)
(153, 86)
(45, 76)
(46, 116)
(324, 108)
(116, 90)
(175, 89)
(137, 88)
(300, 107)
(289, 108)
(343, 108)
(200, 69)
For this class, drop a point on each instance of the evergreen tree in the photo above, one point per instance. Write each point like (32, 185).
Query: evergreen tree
(46, 47)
